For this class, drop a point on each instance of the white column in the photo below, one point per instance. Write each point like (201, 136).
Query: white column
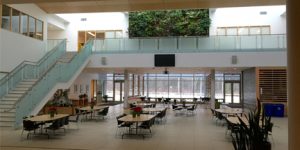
(126, 88)
(212, 88)
(293, 46)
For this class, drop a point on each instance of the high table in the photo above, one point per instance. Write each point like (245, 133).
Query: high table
(136, 120)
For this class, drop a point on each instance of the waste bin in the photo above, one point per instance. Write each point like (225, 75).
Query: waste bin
(268, 109)
(278, 110)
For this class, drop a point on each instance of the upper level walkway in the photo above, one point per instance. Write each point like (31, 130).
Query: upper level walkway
(242, 43)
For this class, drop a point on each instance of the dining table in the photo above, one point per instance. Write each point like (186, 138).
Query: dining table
(136, 120)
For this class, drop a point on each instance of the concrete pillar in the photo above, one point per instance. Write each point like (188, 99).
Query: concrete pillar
(212, 88)
(126, 88)
(293, 46)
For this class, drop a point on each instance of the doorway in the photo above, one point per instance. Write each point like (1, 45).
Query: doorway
(232, 90)
(119, 90)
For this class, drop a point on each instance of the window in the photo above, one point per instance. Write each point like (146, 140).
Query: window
(6, 17)
(31, 26)
(39, 30)
(24, 24)
(16, 21)
(244, 30)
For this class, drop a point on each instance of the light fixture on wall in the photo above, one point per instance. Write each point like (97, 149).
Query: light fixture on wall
(92, 34)
(234, 59)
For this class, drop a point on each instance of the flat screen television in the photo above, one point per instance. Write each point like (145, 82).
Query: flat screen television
(164, 60)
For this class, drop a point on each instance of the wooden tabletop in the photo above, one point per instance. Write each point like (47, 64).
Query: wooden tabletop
(235, 120)
(141, 118)
(230, 111)
(46, 117)
(95, 108)
(153, 109)
(142, 104)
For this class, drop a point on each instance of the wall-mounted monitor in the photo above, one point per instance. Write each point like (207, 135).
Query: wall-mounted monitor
(164, 60)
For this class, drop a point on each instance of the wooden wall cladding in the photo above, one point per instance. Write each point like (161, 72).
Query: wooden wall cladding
(272, 84)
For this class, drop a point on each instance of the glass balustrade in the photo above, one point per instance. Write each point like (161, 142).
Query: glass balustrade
(31, 70)
(192, 44)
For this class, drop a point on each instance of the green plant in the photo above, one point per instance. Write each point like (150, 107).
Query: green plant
(255, 135)
(194, 22)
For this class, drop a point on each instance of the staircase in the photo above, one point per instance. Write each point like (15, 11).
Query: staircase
(21, 80)
(7, 110)
(7, 103)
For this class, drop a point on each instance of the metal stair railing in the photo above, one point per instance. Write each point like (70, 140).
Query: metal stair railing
(31, 70)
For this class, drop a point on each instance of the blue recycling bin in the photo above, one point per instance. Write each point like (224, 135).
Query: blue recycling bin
(276, 110)
(268, 108)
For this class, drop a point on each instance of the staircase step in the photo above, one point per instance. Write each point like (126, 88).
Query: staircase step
(11, 95)
(21, 88)
(24, 86)
(7, 124)
(16, 92)
(3, 110)
(9, 99)
(7, 119)
(7, 114)
(6, 106)
(7, 102)
(30, 80)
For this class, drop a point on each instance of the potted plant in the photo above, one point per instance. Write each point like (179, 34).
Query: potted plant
(136, 111)
(52, 111)
(255, 135)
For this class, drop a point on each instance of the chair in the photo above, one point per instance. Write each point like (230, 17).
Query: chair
(29, 126)
(56, 125)
(75, 119)
(147, 125)
(122, 124)
(104, 112)
(191, 109)
(162, 114)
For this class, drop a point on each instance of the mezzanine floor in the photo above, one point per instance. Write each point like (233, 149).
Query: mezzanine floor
(179, 132)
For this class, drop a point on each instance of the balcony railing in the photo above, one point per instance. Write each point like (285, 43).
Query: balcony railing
(192, 44)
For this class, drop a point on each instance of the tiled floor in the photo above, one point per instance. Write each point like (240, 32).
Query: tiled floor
(179, 132)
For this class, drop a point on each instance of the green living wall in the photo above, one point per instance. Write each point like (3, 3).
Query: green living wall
(194, 22)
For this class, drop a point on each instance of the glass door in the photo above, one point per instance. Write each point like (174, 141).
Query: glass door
(232, 92)
(119, 90)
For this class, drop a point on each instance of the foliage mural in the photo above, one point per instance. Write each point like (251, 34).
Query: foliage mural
(169, 23)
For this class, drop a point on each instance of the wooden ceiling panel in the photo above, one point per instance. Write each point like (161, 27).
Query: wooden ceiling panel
(82, 6)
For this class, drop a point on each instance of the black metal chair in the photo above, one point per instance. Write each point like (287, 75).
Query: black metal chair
(29, 126)
(146, 125)
(103, 113)
(122, 124)
(75, 119)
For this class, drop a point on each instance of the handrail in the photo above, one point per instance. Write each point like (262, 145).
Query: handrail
(61, 71)
(34, 69)
(11, 73)
(188, 44)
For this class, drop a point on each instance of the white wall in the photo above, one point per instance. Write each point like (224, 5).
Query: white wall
(244, 59)
(94, 21)
(83, 80)
(15, 47)
(249, 16)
